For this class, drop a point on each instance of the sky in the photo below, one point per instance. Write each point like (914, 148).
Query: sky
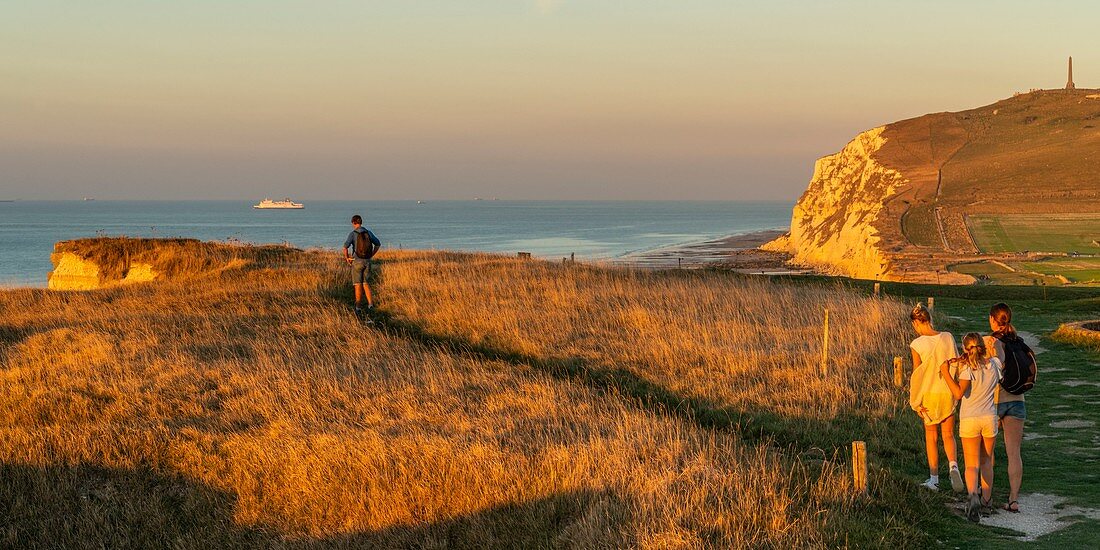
(513, 99)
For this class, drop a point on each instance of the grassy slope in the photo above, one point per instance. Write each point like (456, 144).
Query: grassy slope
(503, 403)
(1033, 147)
(1026, 154)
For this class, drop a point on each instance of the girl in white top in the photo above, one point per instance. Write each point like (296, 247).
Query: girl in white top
(979, 375)
(930, 397)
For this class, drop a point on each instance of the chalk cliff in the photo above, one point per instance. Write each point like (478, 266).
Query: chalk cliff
(102, 262)
(73, 272)
(833, 229)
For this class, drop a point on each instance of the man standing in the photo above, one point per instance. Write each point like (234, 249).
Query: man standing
(364, 246)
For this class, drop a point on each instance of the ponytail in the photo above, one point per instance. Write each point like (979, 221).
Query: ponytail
(1002, 317)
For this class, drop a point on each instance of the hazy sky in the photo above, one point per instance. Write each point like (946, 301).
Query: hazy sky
(516, 99)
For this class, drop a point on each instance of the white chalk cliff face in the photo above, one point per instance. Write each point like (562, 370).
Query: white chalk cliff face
(72, 272)
(833, 226)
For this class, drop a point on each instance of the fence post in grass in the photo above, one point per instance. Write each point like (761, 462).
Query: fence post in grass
(859, 467)
(897, 372)
(572, 257)
(825, 345)
(931, 304)
(679, 263)
(876, 290)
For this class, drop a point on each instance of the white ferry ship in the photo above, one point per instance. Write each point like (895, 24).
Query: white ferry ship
(284, 204)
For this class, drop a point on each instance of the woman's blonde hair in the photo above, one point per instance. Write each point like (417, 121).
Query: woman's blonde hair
(920, 314)
(980, 351)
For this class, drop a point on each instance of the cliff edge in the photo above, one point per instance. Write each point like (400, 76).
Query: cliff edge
(105, 262)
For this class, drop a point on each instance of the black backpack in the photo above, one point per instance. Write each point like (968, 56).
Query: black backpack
(364, 249)
(1019, 365)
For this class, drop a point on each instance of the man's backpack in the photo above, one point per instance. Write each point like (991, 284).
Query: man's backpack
(1019, 364)
(364, 249)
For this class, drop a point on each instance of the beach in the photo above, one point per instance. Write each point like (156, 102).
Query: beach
(739, 253)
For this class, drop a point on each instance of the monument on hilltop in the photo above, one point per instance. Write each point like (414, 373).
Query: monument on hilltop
(1069, 83)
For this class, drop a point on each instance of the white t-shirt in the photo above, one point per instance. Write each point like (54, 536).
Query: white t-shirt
(926, 386)
(978, 399)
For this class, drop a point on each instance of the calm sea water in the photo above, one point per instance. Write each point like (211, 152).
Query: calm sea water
(29, 229)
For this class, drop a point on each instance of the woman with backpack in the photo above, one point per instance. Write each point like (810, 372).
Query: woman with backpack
(1019, 376)
(979, 375)
(930, 396)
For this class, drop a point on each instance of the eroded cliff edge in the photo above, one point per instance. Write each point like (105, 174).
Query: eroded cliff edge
(832, 228)
(74, 272)
(104, 262)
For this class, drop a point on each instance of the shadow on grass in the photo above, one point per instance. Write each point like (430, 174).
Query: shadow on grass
(895, 442)
(798, 435)
(803, 436)
(87, 506)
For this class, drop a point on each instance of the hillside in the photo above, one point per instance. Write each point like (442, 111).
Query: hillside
(903, 201)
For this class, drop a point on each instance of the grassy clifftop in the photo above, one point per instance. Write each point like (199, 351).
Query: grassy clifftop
(88, 264)
(498, 403)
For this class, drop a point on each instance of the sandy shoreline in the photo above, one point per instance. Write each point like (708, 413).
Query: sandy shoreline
(735, 252)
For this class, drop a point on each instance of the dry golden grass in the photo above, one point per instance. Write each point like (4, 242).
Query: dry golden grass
(248, 407)
(747, 343)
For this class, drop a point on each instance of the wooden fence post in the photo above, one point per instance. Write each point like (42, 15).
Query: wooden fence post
(876, 290)
(859, 466)
(825, 345)
(897, 372)
(931, 304)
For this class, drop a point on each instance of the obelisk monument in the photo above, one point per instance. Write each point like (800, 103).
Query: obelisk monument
(1069, 84)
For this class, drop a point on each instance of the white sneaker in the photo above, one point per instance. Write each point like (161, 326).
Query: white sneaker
(957, 481)
(930, 485)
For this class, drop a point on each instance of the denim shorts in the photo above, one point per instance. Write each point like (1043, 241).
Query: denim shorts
(360, 271)
(1015, 409)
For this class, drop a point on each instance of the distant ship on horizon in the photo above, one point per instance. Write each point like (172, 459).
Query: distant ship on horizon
(283, 204)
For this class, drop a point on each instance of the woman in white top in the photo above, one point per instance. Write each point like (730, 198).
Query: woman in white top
(979, 375)
(930, 397)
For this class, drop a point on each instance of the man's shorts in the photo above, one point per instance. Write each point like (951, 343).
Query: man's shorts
(360, 271)
(978, 426)
(1015, 409)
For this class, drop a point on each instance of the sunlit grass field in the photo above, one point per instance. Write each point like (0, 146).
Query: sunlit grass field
(1077, 270)
(496, 403)
(999, 274)
(1036, 232)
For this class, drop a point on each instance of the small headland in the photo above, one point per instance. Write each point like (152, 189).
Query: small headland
(89, 264)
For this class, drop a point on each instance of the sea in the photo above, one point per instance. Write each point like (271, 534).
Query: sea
(592, 230)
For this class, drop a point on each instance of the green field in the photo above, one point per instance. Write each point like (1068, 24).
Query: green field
(1077, 270)
(1036, 232)
(920, 226)
(991, 273)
